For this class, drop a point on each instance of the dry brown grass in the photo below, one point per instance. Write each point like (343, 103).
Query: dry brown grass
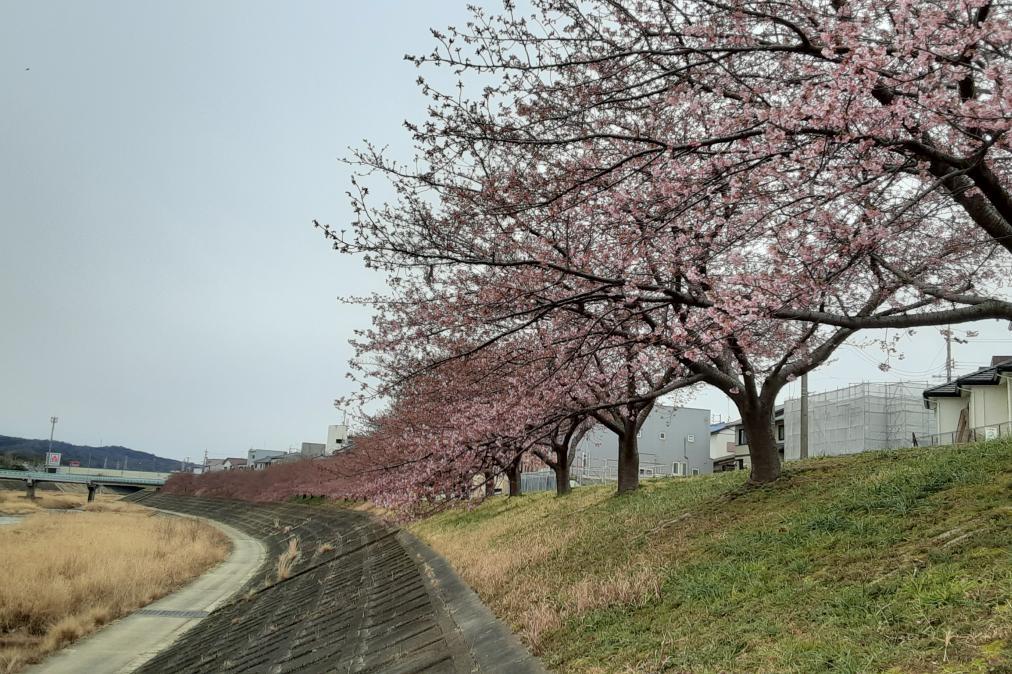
(623, 588)
(287, 559)
(67, 574)
(16, 503)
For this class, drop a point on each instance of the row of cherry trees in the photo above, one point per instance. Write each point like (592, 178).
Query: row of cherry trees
(620, 200)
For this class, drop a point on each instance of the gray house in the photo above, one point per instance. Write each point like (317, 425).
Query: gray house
(672, 441)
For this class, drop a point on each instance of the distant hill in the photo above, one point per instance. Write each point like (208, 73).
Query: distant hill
(12, 448)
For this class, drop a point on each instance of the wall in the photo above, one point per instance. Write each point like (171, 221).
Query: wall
(313, 449)
(988, 405)
(337, 438)
(257, 454)
(719, 441)
(947, 412)
(597, 453)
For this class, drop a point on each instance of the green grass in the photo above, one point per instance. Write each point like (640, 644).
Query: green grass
(897, 561)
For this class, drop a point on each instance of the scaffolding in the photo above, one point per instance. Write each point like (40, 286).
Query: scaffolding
(858, 418)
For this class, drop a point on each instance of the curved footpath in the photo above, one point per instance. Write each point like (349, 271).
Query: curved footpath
(361, 597)
(126, 644)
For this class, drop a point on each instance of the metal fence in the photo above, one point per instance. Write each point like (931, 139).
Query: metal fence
(966, 436)
(542, 480)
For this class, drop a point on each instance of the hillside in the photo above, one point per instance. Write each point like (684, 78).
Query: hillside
(108, 456)
(897, 561)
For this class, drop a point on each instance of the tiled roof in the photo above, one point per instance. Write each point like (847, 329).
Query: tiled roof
(985, 376)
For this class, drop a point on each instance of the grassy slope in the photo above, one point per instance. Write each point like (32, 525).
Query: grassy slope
(896, 561)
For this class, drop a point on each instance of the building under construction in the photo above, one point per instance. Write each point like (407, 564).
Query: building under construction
(858, 418)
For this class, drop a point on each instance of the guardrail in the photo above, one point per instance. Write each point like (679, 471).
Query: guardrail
(39, 476)
(968, 435)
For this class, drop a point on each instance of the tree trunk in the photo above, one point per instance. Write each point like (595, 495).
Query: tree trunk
(561, 469)
(513, 475)
(489, 483)
(762, 445)
(628, 462)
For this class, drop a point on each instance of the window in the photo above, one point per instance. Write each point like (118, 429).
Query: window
(780, 432)
(678, 468)
(742, 438)
(646, 472)
(695, 471)
(663, 435)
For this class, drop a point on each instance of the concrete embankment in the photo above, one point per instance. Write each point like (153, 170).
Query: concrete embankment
(358, 596)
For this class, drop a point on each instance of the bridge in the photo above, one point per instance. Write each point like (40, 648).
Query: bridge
(32, 478)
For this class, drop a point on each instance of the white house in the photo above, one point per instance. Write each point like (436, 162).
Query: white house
(722, 446)
(975, 406)
(232, 463)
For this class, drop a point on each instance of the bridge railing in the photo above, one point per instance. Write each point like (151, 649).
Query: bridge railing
(39, 476)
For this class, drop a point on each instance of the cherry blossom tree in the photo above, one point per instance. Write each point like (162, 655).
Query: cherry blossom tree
(742, 185)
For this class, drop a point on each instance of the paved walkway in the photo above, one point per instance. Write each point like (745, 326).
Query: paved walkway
(360, 597)
(126, 644)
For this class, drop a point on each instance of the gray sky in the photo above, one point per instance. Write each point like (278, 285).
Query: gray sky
(160, 162)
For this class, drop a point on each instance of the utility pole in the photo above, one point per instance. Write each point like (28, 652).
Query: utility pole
(804, 416)
(948, 353)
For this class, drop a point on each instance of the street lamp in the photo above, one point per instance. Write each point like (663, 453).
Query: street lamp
(52, 429)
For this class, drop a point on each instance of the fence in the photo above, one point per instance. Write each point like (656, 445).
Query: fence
(966, 436)
(544, 480)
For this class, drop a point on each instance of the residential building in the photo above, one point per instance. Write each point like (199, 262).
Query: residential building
(722, 444)
(672, 441)
(974, 406)
(233, 464)
(738, 455)
(214, 465)
(337, 439)
(858, 418)
(311, 450)
(255, 455)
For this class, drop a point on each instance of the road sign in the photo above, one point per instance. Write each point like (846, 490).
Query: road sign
(52, 459)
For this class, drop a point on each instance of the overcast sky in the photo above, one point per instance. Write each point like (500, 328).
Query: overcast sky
(161, 285)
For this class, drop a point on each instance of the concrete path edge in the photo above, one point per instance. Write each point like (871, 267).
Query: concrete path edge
(99, 653)
(495, 649)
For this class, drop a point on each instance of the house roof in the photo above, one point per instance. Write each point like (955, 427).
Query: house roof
(778, 413)
(985, 376)
(266, 459)
(717, 428)
(235, 461)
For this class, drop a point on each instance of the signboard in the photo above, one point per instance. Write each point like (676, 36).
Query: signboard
(52, 459)
(74, 464)
(991, 433)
